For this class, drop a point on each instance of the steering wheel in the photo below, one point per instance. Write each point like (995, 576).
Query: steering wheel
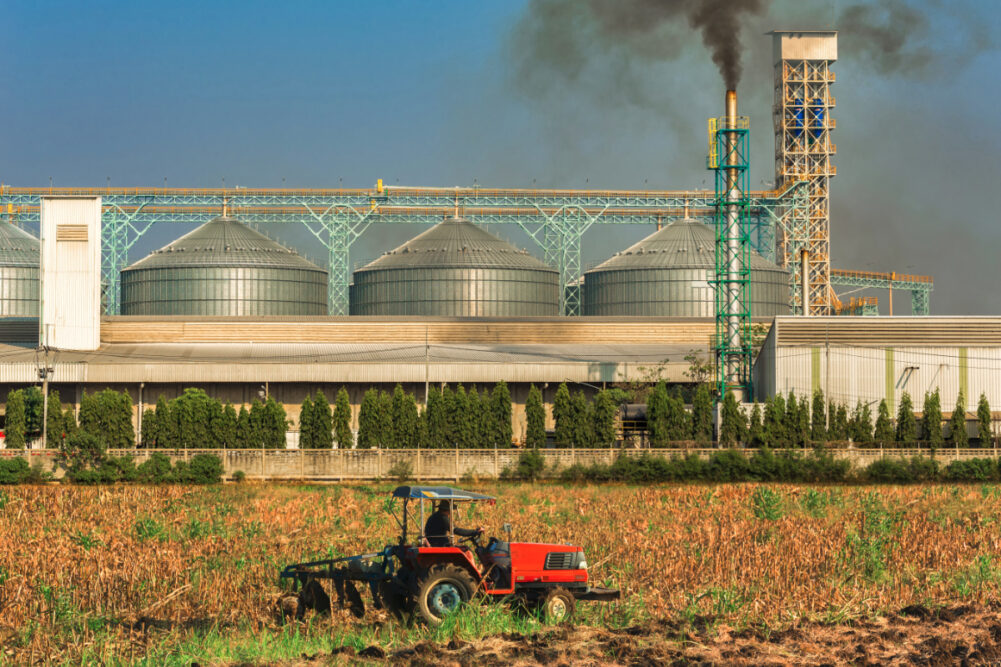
(472, 539)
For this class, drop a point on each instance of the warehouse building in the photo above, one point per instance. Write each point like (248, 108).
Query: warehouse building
(868, 359)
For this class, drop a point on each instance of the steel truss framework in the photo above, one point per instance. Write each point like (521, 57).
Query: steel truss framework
(556, 220)
(803, 150)
(920, 287)
(733, 259)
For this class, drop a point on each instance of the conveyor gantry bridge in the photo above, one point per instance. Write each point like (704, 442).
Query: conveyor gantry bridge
(555, 219)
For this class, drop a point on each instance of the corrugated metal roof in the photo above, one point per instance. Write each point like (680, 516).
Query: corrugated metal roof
(22, 330)
(17, 247)
(340, 362)
(683, 244)
(224, 241)
(889, 331)
(456, 243)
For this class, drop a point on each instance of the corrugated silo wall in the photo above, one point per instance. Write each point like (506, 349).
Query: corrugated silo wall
(458, 292)
(675, 292)
(224, 291)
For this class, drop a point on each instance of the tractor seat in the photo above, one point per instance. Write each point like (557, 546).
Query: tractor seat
(498, 555)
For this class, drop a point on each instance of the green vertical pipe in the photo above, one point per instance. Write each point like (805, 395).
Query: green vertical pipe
(891, 381)
(964, 377)
(814, 369)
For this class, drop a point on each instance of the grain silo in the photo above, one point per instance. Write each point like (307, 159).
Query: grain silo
(456, 269)
(669, 272)
(224, 268)
(19, 259)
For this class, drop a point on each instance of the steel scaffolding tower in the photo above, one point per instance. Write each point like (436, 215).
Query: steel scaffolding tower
(728, 158)
(803, 150)
(556, 220)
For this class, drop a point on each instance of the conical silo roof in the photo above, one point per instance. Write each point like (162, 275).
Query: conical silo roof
(17, 247)
(456, 242)
(683, 244)
(224, 241)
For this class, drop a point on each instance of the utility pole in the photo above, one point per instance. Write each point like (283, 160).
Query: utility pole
(427, 366)
(44, 372)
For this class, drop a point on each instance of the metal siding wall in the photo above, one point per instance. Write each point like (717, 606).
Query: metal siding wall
(71, 274)
(870, 374)
(18, 291)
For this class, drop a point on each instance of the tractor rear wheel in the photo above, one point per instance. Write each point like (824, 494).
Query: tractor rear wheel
(557, 606)
(443, 590)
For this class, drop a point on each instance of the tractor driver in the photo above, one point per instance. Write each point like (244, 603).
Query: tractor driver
(438, 529)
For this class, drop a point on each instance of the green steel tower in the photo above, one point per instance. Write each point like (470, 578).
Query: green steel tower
(728, 158)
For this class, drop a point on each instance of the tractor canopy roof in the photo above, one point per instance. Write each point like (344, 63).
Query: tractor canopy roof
(437, 493)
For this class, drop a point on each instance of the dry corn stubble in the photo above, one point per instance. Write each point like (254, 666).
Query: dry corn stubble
(76, 561)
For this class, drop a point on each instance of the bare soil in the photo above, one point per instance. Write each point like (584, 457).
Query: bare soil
(962, 635)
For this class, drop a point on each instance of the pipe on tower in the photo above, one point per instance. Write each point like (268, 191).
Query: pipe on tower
(732, 236)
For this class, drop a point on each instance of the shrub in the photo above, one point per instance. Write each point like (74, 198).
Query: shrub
(531, 465)
(14, 470)
(156, 470)
(971, 470)
(80, 451)
(239, 476)
(401, 471)
(729, 466)
(203, 469)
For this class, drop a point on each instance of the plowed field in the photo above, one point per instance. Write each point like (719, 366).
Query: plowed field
(755, 573)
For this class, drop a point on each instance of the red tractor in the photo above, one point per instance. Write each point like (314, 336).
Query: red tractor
(412, 576)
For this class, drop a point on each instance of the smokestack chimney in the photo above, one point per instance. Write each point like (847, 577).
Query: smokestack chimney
(732, 235)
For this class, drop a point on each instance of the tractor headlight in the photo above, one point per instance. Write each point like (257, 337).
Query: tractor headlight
(582, 561)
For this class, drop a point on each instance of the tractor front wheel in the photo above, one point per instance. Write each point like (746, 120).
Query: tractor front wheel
(557, 606)
(443, 590)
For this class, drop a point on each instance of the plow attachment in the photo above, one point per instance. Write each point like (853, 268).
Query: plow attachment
(374, 570)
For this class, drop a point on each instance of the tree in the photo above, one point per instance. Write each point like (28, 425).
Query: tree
(150, 431)
(818, 430)
(323, 428)
(306, 428)
(535, 418)
(107, 415)
(275, 425)
(342, 420)
(658, 407)
(166, 425)
(437, 419)
(803, 430)
(583, 421)
(791, 422)
(225, 426)
(369, 427)
(563, 415)
(957, 425)
(257, 426)
(603, 410)
(55, 422)
(244, 431)
(194, 411)
(733, 422)
(34, 402)
(860, 426)
(984, 430)
(500, 408)
(678, 424)
(839, 422)
(404, 417)
(385, 419)
(702, 415)
(773, 425)
(756, 430)
(16, 422)
(931, 419)
(907, 425)
(476, 416)
(462, 426)
(884, 427)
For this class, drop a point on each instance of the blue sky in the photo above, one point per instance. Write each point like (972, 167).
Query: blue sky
(330, 93)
